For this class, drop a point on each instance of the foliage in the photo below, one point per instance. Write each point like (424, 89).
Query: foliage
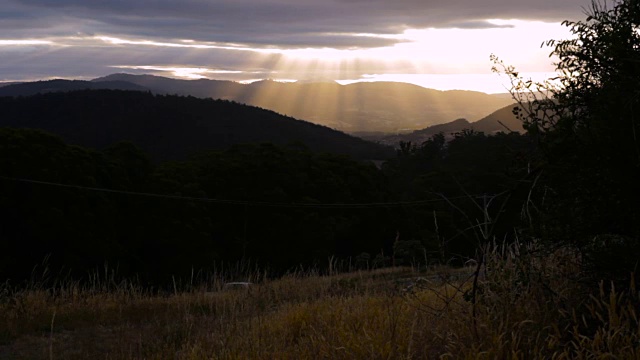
(409, 253)
(587, 132)
(255, 187)
(462, 173)
(254, 215)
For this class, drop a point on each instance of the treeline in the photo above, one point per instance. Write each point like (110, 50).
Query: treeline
(280, 206)
(82, 228)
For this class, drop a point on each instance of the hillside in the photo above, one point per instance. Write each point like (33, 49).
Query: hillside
(501, 120)
(366, 106)
(59, 85)
(170, 127)
(7, 83)
(387, 107)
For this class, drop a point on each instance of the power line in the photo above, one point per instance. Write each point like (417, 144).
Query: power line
(237, 202)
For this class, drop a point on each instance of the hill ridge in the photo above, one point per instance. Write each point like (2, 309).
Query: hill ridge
(171, 126)
(362, 106)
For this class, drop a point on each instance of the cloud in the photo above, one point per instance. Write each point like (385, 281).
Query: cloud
(478, 25)
(91, 57)
(253, 39)
(280, 23)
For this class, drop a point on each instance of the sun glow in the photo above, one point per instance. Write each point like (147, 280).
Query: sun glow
(453, 58)
(443, 59)
(438, 58)
(192, 73)
(488, 83)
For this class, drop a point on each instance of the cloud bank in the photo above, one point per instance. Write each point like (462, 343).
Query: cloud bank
(281, 23)
(235, 39)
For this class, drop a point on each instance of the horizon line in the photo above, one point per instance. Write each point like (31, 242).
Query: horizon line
(251, 81)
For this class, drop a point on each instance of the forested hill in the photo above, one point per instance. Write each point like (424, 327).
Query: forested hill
(58, 85)
(170, 127)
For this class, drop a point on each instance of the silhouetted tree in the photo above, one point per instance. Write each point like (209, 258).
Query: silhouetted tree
(588, 130)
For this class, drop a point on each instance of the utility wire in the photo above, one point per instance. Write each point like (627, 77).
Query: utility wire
(239, 202)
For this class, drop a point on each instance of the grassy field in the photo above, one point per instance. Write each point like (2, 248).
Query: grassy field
(523, 309)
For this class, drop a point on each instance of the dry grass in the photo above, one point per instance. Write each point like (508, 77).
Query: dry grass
(528, 306)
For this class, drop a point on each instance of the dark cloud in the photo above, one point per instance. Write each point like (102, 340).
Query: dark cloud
(287, 23)
(44, 61)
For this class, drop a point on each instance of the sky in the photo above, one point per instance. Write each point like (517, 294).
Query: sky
(440, 44)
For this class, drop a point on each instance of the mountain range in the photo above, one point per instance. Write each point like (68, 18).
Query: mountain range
(388, 107)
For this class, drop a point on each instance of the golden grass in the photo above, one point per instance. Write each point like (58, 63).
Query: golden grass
(525, 309)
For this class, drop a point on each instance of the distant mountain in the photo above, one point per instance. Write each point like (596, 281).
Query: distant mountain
(202, 88)
(387, 107)
(366, 106)
(58, 85)
(2, 84)
(501, 120)
(420, 136)
(507, 96)
(169, 126)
